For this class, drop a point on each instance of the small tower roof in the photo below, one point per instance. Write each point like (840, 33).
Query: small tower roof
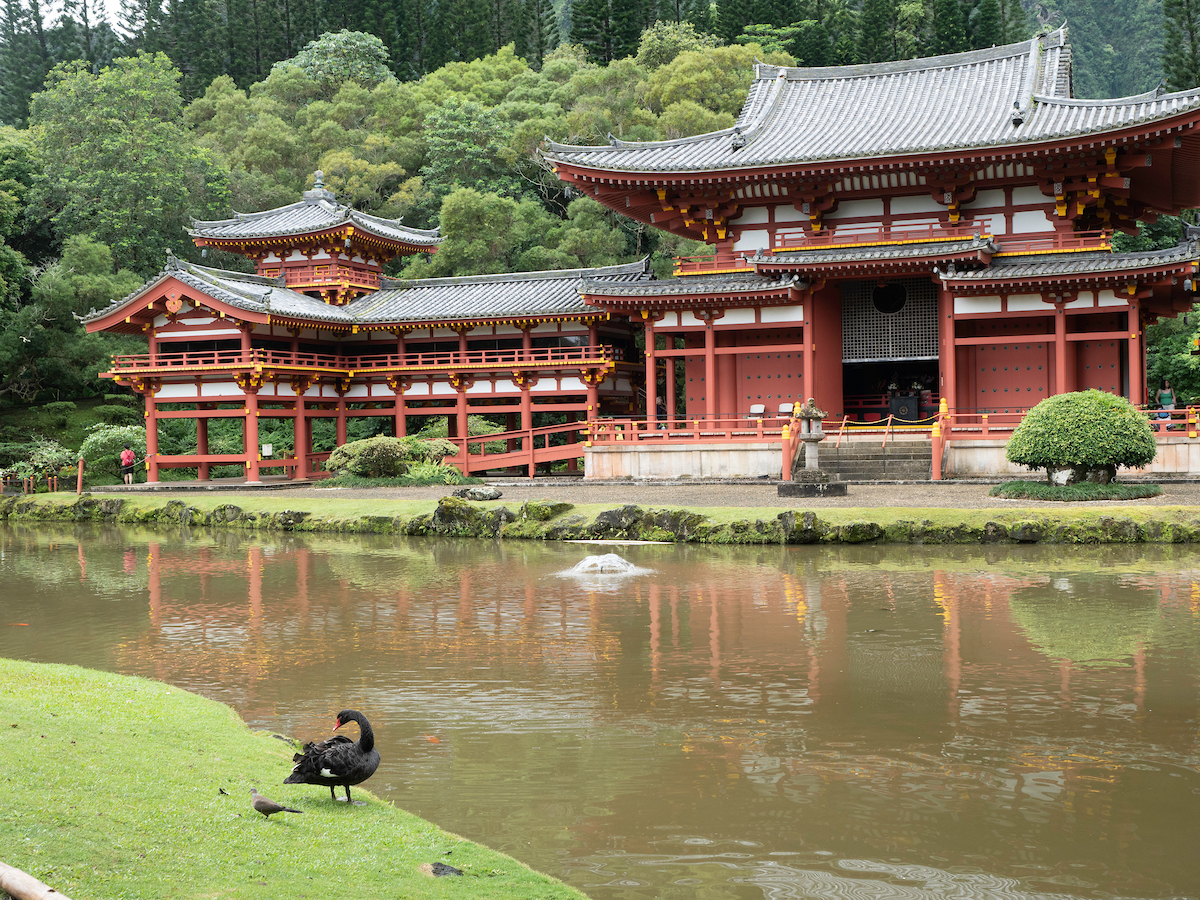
(317, 212)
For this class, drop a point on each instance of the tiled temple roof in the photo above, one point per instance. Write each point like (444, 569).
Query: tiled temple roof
(318, 211)
(1014, 95)
(883, 252)
(1076, 264)
(516, 295)
(692, 285)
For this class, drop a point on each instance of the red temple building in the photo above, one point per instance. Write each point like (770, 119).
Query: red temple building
(902, 233)
(320, 333)
(891, 239)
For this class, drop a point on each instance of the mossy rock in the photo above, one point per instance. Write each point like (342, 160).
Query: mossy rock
(495, 519)
(1028, 531)
(568, 528)
(542, 510)
(994, 533)
(291, 519)
(457, 518)
(618, 523)
(670, 524)
(224, 514)
(176, 511)
(95, 509)
(859, 532)
(803, 529)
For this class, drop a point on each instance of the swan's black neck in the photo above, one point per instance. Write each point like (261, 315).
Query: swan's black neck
(366, 739)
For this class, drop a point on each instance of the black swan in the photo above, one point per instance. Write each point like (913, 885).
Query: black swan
(338, 760)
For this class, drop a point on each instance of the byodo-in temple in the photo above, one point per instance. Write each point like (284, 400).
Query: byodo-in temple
(911, 244)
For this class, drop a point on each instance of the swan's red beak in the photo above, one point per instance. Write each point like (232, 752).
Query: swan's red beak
(338, 724)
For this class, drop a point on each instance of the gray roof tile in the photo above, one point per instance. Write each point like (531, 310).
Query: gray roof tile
(819, 256)
(552, 293)
(316, 212)
(695, 285)
(1058, 264)
(516, 295)
(959, 101)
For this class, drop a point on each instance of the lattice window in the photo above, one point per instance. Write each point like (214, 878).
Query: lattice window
(911, 332)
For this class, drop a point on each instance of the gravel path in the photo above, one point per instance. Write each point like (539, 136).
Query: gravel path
(931, 494)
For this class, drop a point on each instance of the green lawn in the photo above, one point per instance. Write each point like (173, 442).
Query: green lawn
(112, 787)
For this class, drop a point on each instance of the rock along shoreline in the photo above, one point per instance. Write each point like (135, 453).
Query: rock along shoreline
(559, 521)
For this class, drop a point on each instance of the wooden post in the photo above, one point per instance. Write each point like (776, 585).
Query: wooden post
(300, 438)
(250, 433)
(936, 473)
(202, 443)
(79, 478)
(527, 423)
(1060, 350)
(710, 370)
(651, 372)
(672, 412)
(341, 421)
(151, 438)
(1137, 361)
(949, 350)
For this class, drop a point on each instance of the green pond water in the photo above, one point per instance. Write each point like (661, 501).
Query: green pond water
(765, 723)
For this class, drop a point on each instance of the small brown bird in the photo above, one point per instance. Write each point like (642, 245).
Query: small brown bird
(268, 807)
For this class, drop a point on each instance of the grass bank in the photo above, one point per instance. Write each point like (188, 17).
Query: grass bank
(113, 788)
(556, 521)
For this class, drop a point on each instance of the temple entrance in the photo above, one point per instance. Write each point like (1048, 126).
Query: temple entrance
(890, 349)
(904, 388)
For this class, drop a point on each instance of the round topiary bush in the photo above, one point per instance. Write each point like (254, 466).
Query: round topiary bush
(377, 457)
(1082, 436)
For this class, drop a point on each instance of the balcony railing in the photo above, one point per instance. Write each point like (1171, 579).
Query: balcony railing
(711, 265)
(1025, 244)
(862, 236)
(538, 358)
(321, 276)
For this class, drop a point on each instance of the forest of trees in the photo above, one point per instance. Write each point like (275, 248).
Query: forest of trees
(113, 134)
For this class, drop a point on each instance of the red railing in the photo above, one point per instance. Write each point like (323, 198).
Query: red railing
(1056, 243)
(730, 429)
(541, 357)
(701, 265)
(323, 275)
(854, 235)
(535, 446)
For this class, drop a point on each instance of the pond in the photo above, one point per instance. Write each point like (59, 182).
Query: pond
(776, 722)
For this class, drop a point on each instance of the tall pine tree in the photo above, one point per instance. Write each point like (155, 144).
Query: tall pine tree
(1181, 43)
(607, 29)
(949, 29)
(877, 34)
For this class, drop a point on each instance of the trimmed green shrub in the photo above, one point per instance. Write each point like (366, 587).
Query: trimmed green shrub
(1039, 490)
(101, 449)
(377, 457)
(387, 457)
(59, 412)
(126, 399)
(117, 415)
(1083, 435)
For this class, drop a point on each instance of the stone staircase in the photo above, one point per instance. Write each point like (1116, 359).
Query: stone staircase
(867, 461)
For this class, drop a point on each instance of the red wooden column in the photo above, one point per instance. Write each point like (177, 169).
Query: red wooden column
(651, 370)
(151, 436)
(1137, 360)
(341, 420)
(250, 444)
(399, 386)
(710, 370)
(947, 349)
(808, 377)
(1060, 349)
(300, 441)
(202, 440)
(593, 384)
(672, 412)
